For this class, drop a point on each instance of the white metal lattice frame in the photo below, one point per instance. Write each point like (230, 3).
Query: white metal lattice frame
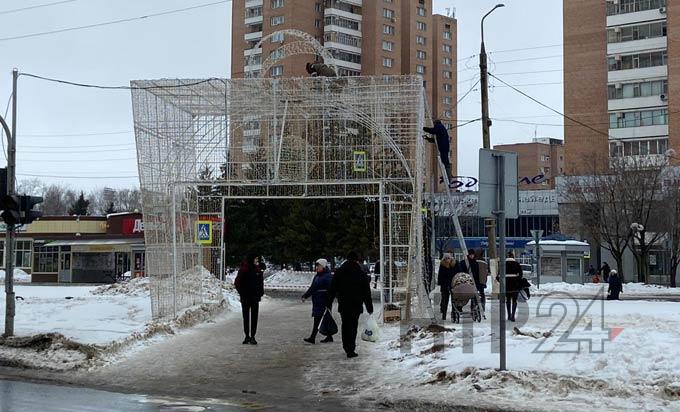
(305, 43)
(199, 142)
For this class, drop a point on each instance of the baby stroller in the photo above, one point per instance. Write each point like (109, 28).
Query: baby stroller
(463, 290)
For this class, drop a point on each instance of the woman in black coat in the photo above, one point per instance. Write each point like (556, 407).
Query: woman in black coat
(318, 290)
(249, 284)
(447, 270)
(615, 286)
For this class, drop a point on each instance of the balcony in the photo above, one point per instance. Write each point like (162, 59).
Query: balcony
(345, 64)
(342, 13)
(252, 52)
(253, 3)
(636, 103)
(341, 46)
(656, 43)
(339, 29)
(622, 76)
(639, 161)
(251, 132)
(253, 36)
(639, 132)
(636, 17)
(252, 68)
(253, 20)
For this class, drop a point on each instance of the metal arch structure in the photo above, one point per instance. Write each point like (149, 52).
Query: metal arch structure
(203, 142)
(306, 44)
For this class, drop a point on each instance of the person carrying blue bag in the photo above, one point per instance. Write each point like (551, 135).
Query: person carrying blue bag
(318, 290)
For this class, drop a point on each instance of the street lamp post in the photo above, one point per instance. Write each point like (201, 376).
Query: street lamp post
(490, 224)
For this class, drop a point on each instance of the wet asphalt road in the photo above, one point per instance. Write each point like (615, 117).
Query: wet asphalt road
(21, 396)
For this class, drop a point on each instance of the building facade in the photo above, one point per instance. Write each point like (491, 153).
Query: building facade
(539, 162)
(80, 249)
(373, 38)
(620, 61)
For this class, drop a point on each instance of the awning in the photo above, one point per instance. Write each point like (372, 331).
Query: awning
(96, 242)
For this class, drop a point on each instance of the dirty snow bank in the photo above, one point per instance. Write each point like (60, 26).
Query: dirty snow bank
(592, 289)
(289, 278)
(631, 365)
(66, 327)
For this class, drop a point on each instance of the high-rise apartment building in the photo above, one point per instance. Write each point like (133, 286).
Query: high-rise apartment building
(539, 162)
(376, 37)
(621, 69)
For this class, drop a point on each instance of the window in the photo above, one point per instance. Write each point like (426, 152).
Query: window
(636, 61)
(447, 61)
(448, 87)
(317, 23)
(24, 250)
(420, 11)
(276, 20)
(388, 62)
(447, 35)
(389, 1)
(253, 12)
(388, 13)
(388, 45)
(632, 6)
(277, 71)
(277, 4)
(346, 56)
(421, 55)
(421, 26)
(318, 7)
(447, 100)
(342, 22)
(420, 69)
(446, 48)
(642, 89)
(447, 74)
(277, 37)
(46, 259)
(638, 118)
(447, 114)
(387, 29)
(420, 40)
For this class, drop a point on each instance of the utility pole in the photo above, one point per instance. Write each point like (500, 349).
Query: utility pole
(490, 224)
(11, 191)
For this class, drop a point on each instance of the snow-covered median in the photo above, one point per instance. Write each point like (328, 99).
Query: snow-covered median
(630, 362)
(65, 327)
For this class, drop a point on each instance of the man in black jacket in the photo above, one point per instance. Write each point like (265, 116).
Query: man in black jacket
(443, 143)
(352, 288)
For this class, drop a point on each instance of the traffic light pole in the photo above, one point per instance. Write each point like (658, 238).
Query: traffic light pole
(11, 190)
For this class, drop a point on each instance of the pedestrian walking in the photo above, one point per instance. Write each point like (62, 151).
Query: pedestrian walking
(480, 282)
(352, 289)
(249, 284)
(605, 270)
(447, 270)
(513, 285)
(443, 143)
(615, 286)
(318, 291)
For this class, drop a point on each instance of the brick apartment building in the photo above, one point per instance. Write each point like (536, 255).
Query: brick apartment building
(539, 162)
(377, 37)
(621, 67)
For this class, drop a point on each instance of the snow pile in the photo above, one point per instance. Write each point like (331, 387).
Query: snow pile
(592, 289)
(289, 278)
(629, 362)
(19, 276)
(133, 287)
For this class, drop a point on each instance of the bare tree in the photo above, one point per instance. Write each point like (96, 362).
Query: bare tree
(128, 200)
(671, 211)
(32, 187)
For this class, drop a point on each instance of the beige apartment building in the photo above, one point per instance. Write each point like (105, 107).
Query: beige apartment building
(376, 37)
(622, 78)
(539, 162)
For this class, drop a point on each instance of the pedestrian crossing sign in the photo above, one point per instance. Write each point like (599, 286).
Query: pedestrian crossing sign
(204, 232)
(360, 161)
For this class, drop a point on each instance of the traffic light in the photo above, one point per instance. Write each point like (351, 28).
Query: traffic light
(28, 215)
(11, 209)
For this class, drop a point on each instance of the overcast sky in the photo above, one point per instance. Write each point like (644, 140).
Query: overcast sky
(196, 44)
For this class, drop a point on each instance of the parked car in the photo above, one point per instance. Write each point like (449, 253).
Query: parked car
(527, 270)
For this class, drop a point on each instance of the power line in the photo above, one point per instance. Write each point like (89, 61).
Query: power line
(468, 92)
(547, 46)
(79, 160)
(78, 151)
(108, 23)
(37, 6)
(74, 134)
(518, 60)
(78, 147)
(78, 177)
(96, 86)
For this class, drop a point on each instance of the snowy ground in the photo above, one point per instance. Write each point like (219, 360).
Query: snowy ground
(629, 362)
(19, 276)
(62, 327)
(289, 278)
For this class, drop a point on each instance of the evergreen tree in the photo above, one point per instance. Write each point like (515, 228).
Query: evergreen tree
(110, 208)
(80, 206)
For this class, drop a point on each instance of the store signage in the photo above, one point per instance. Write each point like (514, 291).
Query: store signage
(133, 226)
(469, 182)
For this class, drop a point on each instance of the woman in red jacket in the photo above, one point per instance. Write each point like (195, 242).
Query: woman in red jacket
(249, 284)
